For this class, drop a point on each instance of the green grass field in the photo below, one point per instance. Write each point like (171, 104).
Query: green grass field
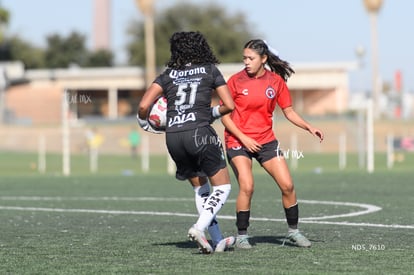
(114, 222)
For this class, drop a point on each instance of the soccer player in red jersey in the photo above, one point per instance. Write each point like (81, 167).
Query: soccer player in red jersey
(256, 91)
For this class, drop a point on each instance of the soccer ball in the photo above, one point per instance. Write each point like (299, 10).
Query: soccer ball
(157, 116)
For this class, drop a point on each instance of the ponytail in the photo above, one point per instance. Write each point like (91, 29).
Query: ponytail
(275, 64)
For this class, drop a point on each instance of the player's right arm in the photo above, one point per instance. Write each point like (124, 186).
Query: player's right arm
(250, 144)
(153, 92)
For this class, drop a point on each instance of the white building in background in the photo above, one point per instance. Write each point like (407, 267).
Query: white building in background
(114, 93)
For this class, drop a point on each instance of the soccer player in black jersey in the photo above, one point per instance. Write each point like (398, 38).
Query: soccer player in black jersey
(188, 82)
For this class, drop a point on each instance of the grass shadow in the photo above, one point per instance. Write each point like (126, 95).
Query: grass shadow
(186, 245)
(254, 240)
(181, 244)
(277, 240)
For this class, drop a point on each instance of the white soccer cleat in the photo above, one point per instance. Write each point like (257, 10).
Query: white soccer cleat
(224, 244)
(242, 242)
(201, 240)
(298, 239)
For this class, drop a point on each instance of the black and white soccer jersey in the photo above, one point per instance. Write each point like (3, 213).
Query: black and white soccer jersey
(188, 92)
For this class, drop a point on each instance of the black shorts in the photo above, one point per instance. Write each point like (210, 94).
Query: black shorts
(196, 152)
(269, 150)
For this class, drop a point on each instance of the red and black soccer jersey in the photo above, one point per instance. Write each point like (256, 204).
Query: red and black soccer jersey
(255, 100)
(189, 93)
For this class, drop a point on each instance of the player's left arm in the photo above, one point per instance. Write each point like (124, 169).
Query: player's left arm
(297, 120)
(226, 99)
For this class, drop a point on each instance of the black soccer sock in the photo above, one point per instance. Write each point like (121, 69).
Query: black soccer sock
(292, 216)
(242, 222)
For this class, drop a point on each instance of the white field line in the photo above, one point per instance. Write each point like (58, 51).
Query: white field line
(122, 212)
(367, 208)
(38, 198)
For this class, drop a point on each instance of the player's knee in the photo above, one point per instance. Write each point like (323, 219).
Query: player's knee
(287, 189)
(247, 189)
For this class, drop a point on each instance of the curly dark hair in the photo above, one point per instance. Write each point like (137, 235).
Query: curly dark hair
(276, 64)
(189, 48)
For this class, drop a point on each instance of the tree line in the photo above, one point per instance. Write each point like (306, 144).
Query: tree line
(225, 32)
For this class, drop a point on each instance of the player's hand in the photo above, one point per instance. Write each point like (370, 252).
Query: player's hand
(146, 126)
(317, 133)
(251, 144)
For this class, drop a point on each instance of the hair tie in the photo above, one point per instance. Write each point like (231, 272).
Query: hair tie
(272, 50)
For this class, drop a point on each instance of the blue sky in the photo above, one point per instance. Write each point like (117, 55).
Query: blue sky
(301, 30)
